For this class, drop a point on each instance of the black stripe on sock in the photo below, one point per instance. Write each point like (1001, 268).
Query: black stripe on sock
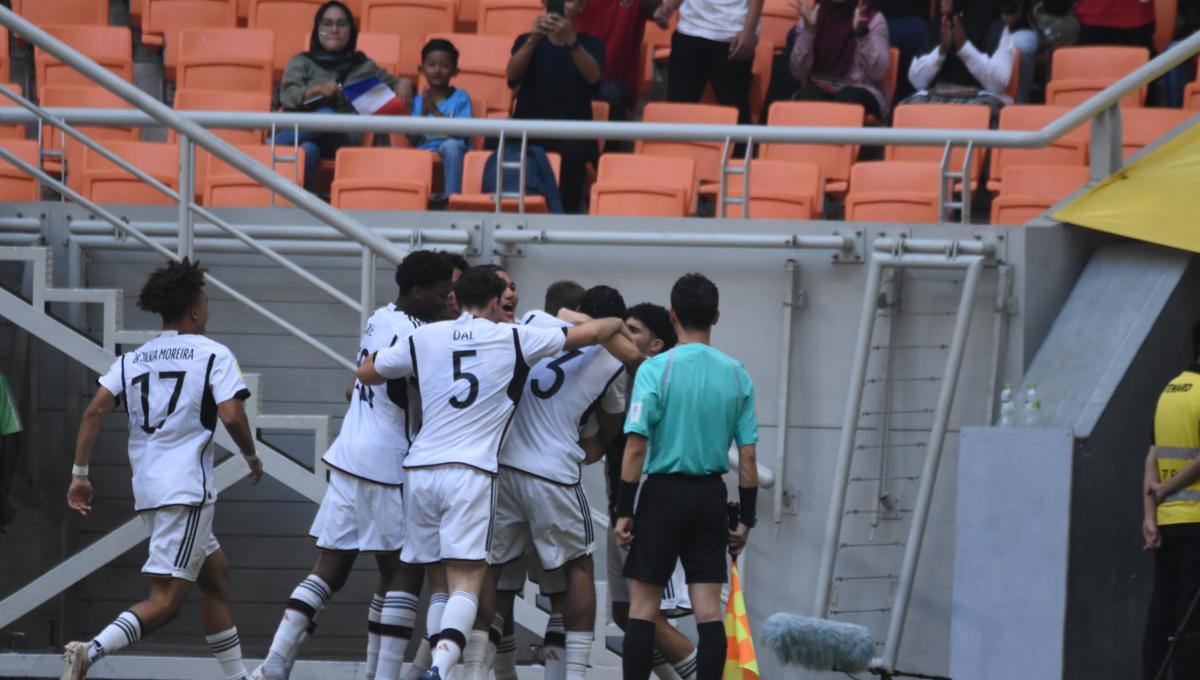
(313, 588)
(555, 639)
(494, 637)
(453, 635)
(126, 629)
(217, 647)
(392, 630)
(373, 626)
(505, 646)
(302, 607)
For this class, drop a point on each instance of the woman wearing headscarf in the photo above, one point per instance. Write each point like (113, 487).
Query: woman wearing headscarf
(973, 59)
(313, 81)
(841, 54)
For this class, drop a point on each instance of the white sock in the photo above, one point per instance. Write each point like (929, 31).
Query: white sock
(456, 623)
(687, 668)
(473, 656)
(579, 649)
(307, 600)
(125, 630)
(373, 613)
(227, 647)
(663, 670)
(505, 666)
(554, 648)
(396, 623)
(421, 662)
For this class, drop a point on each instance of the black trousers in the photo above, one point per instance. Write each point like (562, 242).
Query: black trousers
(697, 62)
(1141, 36)
(1176, 584)
(576, 154)
(849, 95)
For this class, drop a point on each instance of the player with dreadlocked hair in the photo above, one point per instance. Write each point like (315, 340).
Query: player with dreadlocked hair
(176, 387)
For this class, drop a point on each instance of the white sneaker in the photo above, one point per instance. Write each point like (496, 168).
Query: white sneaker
(257, 673)
(75, 661)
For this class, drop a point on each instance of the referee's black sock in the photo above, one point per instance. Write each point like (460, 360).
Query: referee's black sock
(710, 651)
(638, 654)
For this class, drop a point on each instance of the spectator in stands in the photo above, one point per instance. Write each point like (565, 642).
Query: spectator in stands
(313, 81)
(908, 32)
(439, 63)
(10, 438)
(1116, 22)
(841, 54)
(713, 44)
(972, 62)
(620, 25)
(555, 69)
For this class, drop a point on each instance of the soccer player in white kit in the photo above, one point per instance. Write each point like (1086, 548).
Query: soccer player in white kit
(470, 373)
(363, 508)
(175, 387)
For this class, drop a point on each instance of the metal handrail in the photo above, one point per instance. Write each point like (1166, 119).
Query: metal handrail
(1106, 99)
(165, 115)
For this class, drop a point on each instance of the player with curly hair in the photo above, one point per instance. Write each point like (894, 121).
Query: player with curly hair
(176, 387)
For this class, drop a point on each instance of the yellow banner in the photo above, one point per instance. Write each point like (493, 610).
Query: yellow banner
(1150, 199)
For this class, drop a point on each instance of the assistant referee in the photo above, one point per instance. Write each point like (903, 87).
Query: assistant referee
(688, 404)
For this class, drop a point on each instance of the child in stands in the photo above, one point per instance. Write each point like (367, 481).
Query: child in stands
(440, 99)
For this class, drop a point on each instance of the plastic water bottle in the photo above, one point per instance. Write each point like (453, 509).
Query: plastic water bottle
(1031, 409)
(1008, 409)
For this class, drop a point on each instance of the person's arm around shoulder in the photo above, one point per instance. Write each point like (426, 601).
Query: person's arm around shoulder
(620, 345)
(746, 438)
(387, 364)
(592, 332)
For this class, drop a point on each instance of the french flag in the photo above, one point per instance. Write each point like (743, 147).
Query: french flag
(372, 97)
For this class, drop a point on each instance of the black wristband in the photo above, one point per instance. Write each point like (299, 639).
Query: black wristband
(748, 501)
(626, 495)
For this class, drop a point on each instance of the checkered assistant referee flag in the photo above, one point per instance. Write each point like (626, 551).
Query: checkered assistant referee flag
(741, 663)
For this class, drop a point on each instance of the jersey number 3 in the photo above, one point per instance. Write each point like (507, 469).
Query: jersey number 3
(472, 381)
(559, 376)
(144, 381)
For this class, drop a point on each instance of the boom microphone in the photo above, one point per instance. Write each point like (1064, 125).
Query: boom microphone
(819, 644)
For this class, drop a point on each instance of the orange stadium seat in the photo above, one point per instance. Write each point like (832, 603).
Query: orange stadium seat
(286, 18)
(893, 74)
(466, 16)
(382, 179)
(707, 155)
(507, 18)
(643, 185)
(473, 197)
(944, 116)
(1191, 96)
(106, 182)
(225, 59)
(656, 46)
(1142, 126)
(227, 187)
(215, 100)
(15, 185)
(835, 160)
(52, 12)
(482, 64)
(5, 61)
(779, 190)
(1030, 190)
(1070, 149)
(109, 46)
(414, 18)
(11, 131)
(778, 18)
(382, 48)
(164, 19)
(893, 191)
(65, 96)
(1077, 73)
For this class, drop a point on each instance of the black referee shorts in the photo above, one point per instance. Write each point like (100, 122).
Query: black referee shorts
(679, 517)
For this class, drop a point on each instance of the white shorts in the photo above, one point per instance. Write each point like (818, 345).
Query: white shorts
(676, 600)
(514, 574)
(181, 539)
(449, 509)
(553, 520)
(357, 514)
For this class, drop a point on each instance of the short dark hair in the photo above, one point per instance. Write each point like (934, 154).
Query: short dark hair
(422, 268)
(477, 287)
(440, 45)
(657, 320)
(694, 299)
(493, 268)
(603, 301)
(563, 294)
(456, 261)
(172, 291)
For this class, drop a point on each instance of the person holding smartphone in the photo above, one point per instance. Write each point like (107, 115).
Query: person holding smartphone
(841, 54)
(555, 69)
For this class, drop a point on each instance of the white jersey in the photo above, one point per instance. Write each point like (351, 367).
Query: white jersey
(562, 391)
(380, 421)
(470, 375)
(172, 386)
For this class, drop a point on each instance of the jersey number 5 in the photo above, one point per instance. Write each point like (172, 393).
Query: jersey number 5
(472, 381)
(559, 376)
(144, 381)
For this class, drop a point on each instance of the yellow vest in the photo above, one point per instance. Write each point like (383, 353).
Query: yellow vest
(1177, 444)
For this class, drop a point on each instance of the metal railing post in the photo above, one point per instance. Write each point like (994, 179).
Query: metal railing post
(187, 192)
(367, 287)
(785, 384)
(1106, 144)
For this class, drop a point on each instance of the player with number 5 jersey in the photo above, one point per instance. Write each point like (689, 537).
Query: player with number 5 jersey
(470, 374)
(175, 388)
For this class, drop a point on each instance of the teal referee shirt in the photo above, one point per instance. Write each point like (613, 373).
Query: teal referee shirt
(691, 402)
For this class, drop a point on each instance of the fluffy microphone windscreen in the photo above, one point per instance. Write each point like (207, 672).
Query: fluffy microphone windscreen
(819, 644)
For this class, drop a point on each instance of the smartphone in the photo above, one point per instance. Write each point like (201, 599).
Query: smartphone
(556, 7)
